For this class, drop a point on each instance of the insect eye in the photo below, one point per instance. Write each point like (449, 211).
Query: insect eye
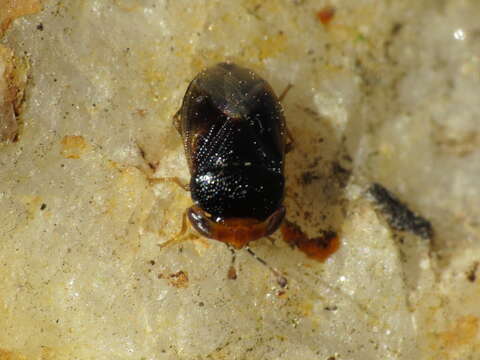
(199, 221)
(275, 220)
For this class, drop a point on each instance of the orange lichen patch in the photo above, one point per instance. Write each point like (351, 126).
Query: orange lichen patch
(325, 15)
(13, 78)
(74, 146)
(8, 355)
(178, 279)
(464, 332)
(12, 9)
(319, 248)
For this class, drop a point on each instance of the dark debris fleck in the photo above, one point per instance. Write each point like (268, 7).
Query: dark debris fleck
(472, 273)
(396, 28)
(308, 177)
(399, 216)
(341, 173)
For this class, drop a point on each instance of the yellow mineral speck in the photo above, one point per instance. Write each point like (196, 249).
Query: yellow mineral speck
(306, 309)
(386, 149)
(270, 46)
(47, 353)
(74, 146)
(127, 6)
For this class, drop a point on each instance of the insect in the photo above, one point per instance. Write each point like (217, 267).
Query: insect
(234, 135)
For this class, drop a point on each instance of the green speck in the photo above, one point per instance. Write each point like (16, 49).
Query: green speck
(360, 37)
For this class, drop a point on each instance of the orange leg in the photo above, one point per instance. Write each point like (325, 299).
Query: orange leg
(173, 179)
(180, 237)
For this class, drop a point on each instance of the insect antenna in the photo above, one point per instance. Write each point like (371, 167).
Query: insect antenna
(281, 280)
(232, 273)
(285, 92)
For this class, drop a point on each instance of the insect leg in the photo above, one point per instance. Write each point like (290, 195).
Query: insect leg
(177, 122)
(179, 238)
(172, 179)
(291, 143)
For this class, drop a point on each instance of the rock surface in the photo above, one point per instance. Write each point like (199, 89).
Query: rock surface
(384, 92)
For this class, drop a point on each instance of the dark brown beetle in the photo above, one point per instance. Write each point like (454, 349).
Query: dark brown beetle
(234, 135)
